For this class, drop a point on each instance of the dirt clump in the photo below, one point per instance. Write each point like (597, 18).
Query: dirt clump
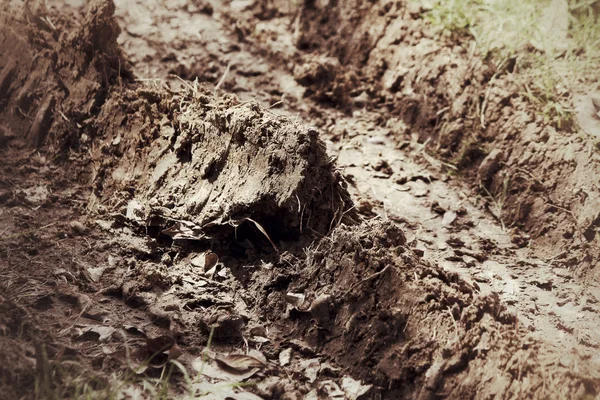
(413, 329)
(326, 81)
(196, 159)
(55, 75)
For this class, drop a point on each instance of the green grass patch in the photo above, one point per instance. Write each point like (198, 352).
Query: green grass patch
(553, 51)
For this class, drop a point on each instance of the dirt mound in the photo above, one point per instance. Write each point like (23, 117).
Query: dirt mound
(189, 158)
(413, 329)
(55, 75)
(198, 161)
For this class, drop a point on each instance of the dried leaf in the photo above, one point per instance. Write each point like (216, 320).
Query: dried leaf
(285, 357)
(96, 333)
(210, 368)
(96, 273)
(240, 362)
(264, 232)
(332, 390)
(311, 369)
(134, 330)
(449, 218)
(185, 230)
(135, 211)
(260, 339)
(205, 261)
(174, 353)
(354, 389)
(295, 299)
(210, 391)
(211, 259)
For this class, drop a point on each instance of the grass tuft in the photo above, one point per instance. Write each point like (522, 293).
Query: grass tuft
(552, 53)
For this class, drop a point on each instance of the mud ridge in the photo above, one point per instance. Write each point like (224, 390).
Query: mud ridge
(534, 174)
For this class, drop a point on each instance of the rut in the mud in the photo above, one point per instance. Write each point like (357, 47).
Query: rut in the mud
(470, 112)
(213, 174)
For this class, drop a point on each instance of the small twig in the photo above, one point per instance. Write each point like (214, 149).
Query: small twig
(222, 78)
(16, 235)
(565, 210)
(368, 278)
(264, 232)
(455, 324)
(183, 81)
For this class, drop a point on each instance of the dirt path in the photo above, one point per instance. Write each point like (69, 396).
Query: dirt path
(337, 299)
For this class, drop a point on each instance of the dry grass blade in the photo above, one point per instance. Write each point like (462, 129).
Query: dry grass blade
(264, 232)
(27, 232)
(222, 78)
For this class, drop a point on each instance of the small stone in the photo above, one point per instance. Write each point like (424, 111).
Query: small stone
(320, 309)
(166, 259)
(77, 227)
(489, 166)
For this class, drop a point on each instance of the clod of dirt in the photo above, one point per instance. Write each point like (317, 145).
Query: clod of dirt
(325, 80)
(415, 329)
(50, 84)
(199, 163)
(77, 227)
(489, 166)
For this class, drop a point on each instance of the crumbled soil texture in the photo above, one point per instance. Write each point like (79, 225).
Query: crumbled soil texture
(144, 221)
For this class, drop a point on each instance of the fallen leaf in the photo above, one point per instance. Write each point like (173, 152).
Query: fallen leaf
(258, 355)
(135, 211)
(185, 230)
(208, 367)
(449, 218)
(332, 390)
(311, 369)
(285, 357)
(211, 259)
(205, 261)
(95, 333)
(222, 273)
(354, 389)
(295, 299)
(240, 362)
(312, 395)
(96, 273)
(259, 339)
(134, 330)
(174, 353)
(210, 391)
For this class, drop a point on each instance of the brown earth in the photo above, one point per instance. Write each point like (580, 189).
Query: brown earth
(293, 233)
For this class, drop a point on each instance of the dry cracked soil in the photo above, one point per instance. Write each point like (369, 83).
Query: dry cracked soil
(266, 199)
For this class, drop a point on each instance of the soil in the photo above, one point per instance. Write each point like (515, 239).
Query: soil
(322, 200)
